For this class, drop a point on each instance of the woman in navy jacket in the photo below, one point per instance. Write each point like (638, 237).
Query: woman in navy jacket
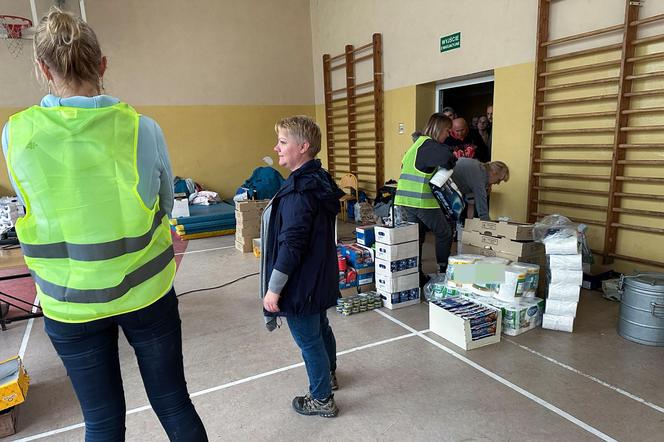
(299, 272)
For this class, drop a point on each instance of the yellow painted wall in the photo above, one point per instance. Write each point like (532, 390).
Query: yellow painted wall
(512, 110)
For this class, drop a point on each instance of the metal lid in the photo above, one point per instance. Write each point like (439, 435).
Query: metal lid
(651, 281)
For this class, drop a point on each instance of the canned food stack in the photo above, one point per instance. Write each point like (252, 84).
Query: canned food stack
(359, 303)
(397, 260)
(565, 279)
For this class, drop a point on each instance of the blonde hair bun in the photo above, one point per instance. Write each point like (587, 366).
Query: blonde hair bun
(62, 27)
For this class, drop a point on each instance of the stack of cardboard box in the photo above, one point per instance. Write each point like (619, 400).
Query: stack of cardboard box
(248, 223)
(397, 260)
(513, 241)
(356, 269)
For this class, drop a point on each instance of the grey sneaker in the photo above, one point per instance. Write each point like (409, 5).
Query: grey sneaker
(333, 381)
(309, 406)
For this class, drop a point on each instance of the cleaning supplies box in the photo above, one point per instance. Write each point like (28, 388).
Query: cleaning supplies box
(14, 382)
(517, 231)
(365, 235)
(396, 252)
(396, 235)
(504, 245)
(396, 268)
(391, 284)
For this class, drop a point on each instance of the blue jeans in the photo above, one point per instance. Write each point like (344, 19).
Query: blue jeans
(314, 336)
(89, 352)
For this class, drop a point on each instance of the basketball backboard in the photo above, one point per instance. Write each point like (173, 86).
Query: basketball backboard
(35, 9)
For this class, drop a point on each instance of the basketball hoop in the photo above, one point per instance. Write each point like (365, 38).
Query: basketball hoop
(13, 32)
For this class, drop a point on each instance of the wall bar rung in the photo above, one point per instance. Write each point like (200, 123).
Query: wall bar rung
(571, 161)
(639, 212)
(570, 176)
(647, 57)
(574, 146)
(640, 179)
(588, 130)
(578, 220)
(644, 110)
(592, 51)
(583, 115)
(638, 228)
(641, 146)
(642, 162)
(601, 31)
(643, 21)
(650, 39)
(641, 128)
(571, 190)
(639, 260)
(645, 75)
(574, 205)
(585, 67)
(650, 92)
(644, 196)
(579, 100)
(580, 84)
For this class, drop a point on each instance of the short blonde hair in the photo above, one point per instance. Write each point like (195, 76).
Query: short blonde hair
(499, 168)
(304, 129)
(69, 47)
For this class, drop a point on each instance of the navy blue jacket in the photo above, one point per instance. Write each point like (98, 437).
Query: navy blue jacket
(301, 242)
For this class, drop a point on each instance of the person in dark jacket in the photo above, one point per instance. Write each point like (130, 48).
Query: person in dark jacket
(299, 272)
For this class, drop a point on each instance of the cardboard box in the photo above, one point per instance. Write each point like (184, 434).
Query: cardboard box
(396, 235)
(357, 256)
(244, 247)
(248, 218)
(396, 268)
(509, 230)
(349, 291)
(8, 420)
(457, 330)
(14, 383)
(398, 300)
(391, 284)
(592, 279)
(396, 252)
(365, 275)
(511, 247)
(251, 205)
(365, 235)
(248, 232)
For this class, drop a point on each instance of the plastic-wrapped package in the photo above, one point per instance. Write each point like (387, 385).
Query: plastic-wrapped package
(561, 308)
(435, 287)
(566, 277)
(558, 233)
(555, 322)
(565, 262)
(564, 292)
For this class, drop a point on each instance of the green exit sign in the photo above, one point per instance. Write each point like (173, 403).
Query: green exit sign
(449, 42)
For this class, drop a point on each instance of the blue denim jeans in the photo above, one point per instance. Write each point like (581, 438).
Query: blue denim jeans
(89, 352)
(314, 336)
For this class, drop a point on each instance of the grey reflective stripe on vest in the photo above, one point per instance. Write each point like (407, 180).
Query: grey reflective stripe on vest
(411, 194)
(417, 179)
(94, 252)
(90, 296)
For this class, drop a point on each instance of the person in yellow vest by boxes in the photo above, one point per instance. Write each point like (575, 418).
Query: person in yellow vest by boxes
(95, 179)
(414, 194)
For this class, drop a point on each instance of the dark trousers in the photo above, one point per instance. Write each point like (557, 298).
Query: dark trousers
(89, 352)
(432, 220)
(314, 336)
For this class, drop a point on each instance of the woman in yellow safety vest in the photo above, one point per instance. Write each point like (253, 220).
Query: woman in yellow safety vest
(414, 195)
(95, 179)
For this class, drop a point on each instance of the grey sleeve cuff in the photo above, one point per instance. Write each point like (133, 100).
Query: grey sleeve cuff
(277, 281)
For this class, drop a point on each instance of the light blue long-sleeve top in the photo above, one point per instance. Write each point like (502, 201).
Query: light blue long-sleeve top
(154, 167)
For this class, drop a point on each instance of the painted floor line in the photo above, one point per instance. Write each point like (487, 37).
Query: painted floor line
(504, 381)
(204, 250)
(26, 333)
(592, 378)
(227, 385)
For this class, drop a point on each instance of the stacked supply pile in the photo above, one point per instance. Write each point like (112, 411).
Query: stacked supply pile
(359, 303)
(465, 322)
(565, 279)
(205, 221)
(248, 223)
(356, 269)
(10, 211)
(397, 259)
(496, 282)
(512, 241)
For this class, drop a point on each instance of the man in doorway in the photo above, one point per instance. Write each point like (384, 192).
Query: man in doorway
(467, 143)
(489, 114)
